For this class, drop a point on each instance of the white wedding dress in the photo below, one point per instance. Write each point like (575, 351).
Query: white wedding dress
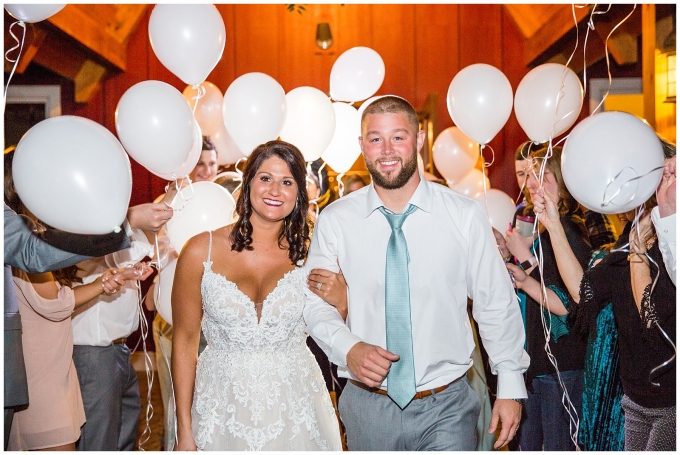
(258, 387)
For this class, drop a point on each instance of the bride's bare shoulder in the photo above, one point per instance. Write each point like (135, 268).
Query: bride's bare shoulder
(197, 247)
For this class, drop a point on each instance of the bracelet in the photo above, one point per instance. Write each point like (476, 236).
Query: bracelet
(528, 263)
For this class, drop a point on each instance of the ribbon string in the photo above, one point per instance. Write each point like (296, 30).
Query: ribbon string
(19, 45)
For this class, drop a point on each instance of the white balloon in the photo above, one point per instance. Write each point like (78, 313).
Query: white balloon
(548, 101)
(472, 184)
(33, 13)
(208, 111)
(454, 154)
(190, 163)
(203, 206)
(74, 175)
(227, 150)
(603, 154)
(480, 101)
(357, 74)
(344, 148)
(254, 110)
(499, 207)
(310, 121)
(166, 279)
(155, 125)
(187, 39)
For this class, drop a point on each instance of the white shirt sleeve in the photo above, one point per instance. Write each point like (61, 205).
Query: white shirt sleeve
(665, 230)
(139, 248)
(495, 309)
(324, 323)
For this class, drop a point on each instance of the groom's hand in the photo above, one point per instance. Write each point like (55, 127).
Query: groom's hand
(369, 363)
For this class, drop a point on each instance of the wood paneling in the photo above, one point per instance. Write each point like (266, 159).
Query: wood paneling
(256, 39)
(437, 56)
(649, 62)
(301, 61)
(502, 172)
(225, 71)
(480, 35)
(393, 30)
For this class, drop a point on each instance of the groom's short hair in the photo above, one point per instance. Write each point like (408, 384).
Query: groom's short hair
(391, 104)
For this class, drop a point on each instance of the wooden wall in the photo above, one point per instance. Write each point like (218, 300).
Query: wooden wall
(423, 47)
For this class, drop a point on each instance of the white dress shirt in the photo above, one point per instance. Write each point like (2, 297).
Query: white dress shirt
(108, 317)
(453, 256)
(665, 230)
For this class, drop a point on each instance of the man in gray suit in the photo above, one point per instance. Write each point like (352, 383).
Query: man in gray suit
(52, 250)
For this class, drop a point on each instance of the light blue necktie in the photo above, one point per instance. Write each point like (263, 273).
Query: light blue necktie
(401, 380)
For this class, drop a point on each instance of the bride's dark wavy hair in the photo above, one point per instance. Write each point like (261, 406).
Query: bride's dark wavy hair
(295, 228)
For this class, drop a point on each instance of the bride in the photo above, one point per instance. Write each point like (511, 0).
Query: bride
(256, 386)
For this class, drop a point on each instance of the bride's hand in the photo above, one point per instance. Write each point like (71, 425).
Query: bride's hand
(331, 287)
(186, 444)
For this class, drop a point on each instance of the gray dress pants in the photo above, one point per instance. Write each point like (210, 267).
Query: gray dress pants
(443, 421)
(110, 390)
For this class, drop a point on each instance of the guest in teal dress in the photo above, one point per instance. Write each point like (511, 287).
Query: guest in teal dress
(601, 427)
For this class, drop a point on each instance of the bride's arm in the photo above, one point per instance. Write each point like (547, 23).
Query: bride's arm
(187, 312)
(331, 287)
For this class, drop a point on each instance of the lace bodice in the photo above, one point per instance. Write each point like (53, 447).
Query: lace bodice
(258, 386)
(230, 318)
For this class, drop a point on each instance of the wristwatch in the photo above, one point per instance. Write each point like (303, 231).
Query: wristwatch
(526, 265)
(519, 400)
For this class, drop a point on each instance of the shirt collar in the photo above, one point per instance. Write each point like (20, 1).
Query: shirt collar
(421, 198)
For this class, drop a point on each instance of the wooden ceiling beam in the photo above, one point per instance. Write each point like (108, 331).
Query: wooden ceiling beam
(530, 18)
(75, 21)
(126, 19)
(553, 29)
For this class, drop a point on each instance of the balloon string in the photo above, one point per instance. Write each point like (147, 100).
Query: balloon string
(606, 202)
(144, 330)
(240, 174)
(481, 153)
(19, 45)
(574, 421)
(179, 192)
(606, 54)
(200, 93)
(591, 26)
(341, 185)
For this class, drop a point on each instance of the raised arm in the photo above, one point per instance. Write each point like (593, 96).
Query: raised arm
(640, 277)
(663, 217)
(53, 249)
(568, 265)
(187, 312)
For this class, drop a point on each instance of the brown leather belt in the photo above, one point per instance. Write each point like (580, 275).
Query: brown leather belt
(119, 341)
(418, 396)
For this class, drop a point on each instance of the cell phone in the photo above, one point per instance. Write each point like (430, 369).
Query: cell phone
(525, 225)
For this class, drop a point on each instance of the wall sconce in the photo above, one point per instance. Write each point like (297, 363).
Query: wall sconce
(669, 54)
(323, 35)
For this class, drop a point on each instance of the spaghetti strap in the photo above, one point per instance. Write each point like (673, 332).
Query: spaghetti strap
(209, 246)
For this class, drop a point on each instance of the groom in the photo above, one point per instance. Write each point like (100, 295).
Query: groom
(412, 252)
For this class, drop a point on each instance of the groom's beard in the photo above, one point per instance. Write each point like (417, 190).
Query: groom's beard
(391, 181)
